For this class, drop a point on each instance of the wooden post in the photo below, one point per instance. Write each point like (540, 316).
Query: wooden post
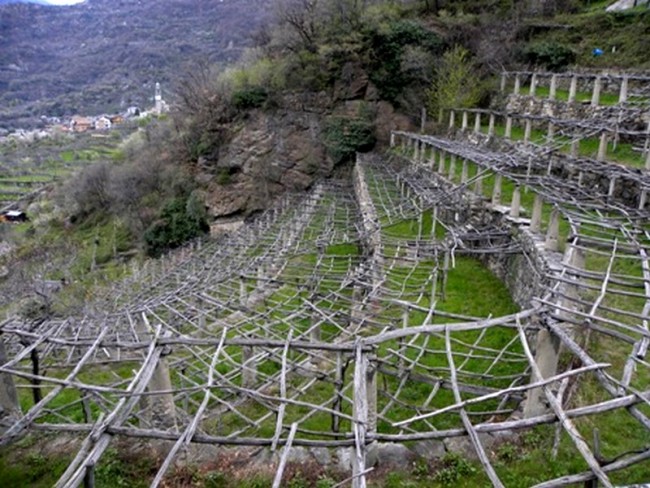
(553, 232)
(536, 218)
(553, 88)
(89, 476)
(573, 89)
(515, 204)
(595, 96)
(496, 191)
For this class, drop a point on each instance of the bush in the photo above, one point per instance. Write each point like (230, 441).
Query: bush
(180, 220)
(344, 136)
(247, 98)
(550, 55)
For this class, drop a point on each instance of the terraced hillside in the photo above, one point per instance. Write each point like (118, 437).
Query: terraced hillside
(462, 296)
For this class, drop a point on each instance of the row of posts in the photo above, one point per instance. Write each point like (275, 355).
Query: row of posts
(573, 86)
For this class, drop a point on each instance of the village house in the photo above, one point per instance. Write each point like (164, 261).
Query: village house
(80, 124)
(103, 123)
(116, 119)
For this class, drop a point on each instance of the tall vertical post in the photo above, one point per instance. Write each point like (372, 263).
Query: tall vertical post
(573, 88)
(423, 119)
(547, 352)
(533, 85)
(612, 187)
(602, 147)
(243, 294)
(536, 217)
(508, 132)
(464, 172)
(9, 405)
(161, 406)
(527, 131)
(491, 125)
(496, 191)
(452, 119)
(432, 158)
(477, 123)
(249, 367)
(452, 167)
(552, 91)
(517, 86)
(553, 232)
(416, 151)
(622, 95)
(575, 148)
(595, 95)
(441, 162)
(464, 122)
(515, 204)
(504, 77)
(392, 139)
(550, 132)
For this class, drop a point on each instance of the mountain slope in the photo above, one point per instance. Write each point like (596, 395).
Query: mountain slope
(104, 55)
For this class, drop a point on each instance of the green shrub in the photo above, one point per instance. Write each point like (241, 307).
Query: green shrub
(344, 136)
(180, 220)
(550, 55)
(247, 98)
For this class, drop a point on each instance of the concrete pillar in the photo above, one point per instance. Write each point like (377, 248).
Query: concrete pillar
(392, 139)
(478, 186)
(595, 95)
(504, 78)
(243, 295)
(434, 222)
(452, 167)
(477, 123)
(491, 126)
(553, 232)
(622, 96)
(249, 367)
(550, 132)
(612, 187)
(496, 191)
(515, 204)
(581, 176)
(464, 121)
(602, 147)
(161, 407)
(452, 119)
(533, 84)
(9, 405)
(508, 132)
(575, 148)
(547, 353)
(643, 199)
(527, 131)
(573, 89)
(432, 158)
(416, 151)
(517, 87)
(464, 172)
(647, 161)
(536, 217)
(552, 91)
(423, 119)
(441, 162)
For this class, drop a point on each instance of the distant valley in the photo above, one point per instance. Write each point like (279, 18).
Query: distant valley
(106, 55)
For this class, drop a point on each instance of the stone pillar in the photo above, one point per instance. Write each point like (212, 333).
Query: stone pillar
(575, 148)
(547, 353)
(602, 147)
(527, 131)
(612, 187)
(162, 408)
(249, 367)
(441, 162)
(392, 139)
(432, 159)
(536, 217)
(243, 295)
(464, 172)
(515, 204)
(573, 89)
(491, 126)
(533, 84)
(553, 232)
(581, 176)
(643, 198)
(477, 123)
(550, 132)
(478, 186)
(452, 168)
(595, 96)
(423, 119)
(517, 87)
(622, 96)
(504, 77)
(452, 119)
(508, 132)
(464, 121)
(496, 191)
(9, 405)
(416, 151)
(552, 91)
